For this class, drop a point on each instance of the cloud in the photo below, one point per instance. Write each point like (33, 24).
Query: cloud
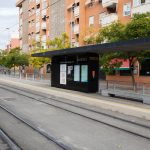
(7, 12)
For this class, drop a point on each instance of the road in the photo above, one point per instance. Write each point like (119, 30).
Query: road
(3, 145)
(36, 121)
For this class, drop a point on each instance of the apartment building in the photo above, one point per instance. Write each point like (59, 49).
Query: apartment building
(57, 18)
(33, 23)
(88, 16)
(13, 43)
(41, 20)
(85, 17)
(23, 23)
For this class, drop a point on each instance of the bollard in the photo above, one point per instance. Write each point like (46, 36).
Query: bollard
(143, 89)
(20, 76)
(33, 77)
(26, 76)
(107, 85)
(114, 86)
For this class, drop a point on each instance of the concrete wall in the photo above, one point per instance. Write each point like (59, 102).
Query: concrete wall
(25, 6)
(57, 18)
(138, 79)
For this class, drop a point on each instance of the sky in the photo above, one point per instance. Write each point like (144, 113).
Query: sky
(8, 19)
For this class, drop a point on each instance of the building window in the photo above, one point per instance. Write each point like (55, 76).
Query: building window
(127, 9)
(91, 20)
(138, 2)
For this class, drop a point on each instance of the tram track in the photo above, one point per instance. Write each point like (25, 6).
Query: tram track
(8, 143)
(30, 125)
(55, 102)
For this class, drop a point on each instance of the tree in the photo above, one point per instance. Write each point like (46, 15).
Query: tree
(139, 27)
(14, 58)
(60, 42)
(112, 33)
(91, 38)
(38, 62)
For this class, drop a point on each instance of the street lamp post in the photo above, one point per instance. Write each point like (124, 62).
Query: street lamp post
(8, 34)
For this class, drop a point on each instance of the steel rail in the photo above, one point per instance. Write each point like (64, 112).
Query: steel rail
(82, 115)
(41, 132)
(11, 143)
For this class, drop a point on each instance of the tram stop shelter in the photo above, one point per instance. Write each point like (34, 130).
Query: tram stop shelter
(78, 68)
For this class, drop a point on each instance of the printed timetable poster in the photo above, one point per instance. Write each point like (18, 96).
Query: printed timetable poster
(84, 73)
(63, 70)
(76, 73)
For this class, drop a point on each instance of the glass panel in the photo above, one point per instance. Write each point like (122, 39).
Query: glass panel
(76, 73)
(84, 73)
(63, 69)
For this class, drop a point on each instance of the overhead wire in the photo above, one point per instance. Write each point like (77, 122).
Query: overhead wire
(8, 28)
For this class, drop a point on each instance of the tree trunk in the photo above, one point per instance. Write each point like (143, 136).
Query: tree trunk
(14, 71)
(132, 74)
(133, 80)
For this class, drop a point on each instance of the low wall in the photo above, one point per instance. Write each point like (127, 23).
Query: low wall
(138, 79)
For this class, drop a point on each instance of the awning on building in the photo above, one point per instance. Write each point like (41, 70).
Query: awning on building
(125, 64)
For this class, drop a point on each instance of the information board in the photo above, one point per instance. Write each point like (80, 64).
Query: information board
(63, 70)
(84, 73)
(76, 72)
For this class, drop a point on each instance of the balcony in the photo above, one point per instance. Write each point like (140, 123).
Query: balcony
(37, 12)
(19, 3)
(20, 23)
(44, 45)
(37, 2)
(20, 35)
(107, 19)
(37, 37)
(37, 29)
(20, 11)
(141, 8)
(76, 44)
(109, 3)
(76, 29)
(43, 27)
(43, 39)
(44, 13)
(76, 11)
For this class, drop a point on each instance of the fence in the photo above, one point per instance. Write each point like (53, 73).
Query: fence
(28, 76)
(125, 89)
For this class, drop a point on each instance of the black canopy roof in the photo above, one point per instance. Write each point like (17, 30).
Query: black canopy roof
(130, 45)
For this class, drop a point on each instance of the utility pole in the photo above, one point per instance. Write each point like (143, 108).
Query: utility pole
(8, 35)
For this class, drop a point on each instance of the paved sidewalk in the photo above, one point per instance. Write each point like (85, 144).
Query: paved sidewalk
(119, 105)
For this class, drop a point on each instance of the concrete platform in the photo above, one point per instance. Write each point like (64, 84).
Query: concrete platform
(119, 105)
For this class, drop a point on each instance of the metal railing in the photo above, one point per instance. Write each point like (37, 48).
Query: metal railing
(28, 76)
(125, 89)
